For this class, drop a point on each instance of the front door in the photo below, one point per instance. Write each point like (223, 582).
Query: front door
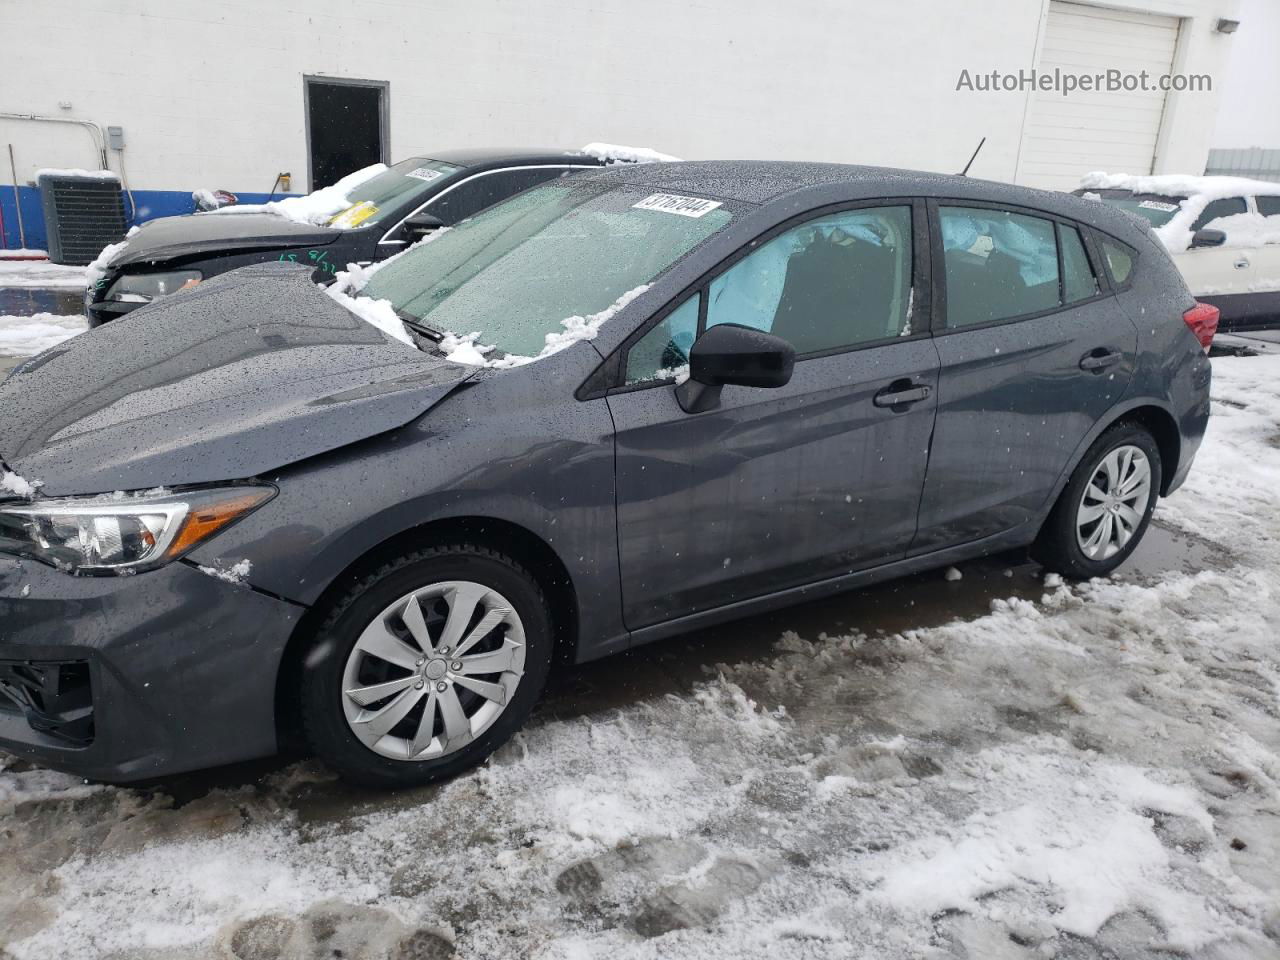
(780, 487)
(1032, 357)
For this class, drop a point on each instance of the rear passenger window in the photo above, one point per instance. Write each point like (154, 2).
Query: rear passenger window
(1078, 281)
(1119, 261)
(998, 265)
(1269, 206)
(828, 284)
(1227, 207)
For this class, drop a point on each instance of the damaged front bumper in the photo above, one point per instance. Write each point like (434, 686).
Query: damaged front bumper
(128, 678)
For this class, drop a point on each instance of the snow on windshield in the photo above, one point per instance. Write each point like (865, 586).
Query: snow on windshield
(464, 349)
(1192, 195)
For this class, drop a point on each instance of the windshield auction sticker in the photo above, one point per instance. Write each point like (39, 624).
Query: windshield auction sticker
(354, 215)
(1158, 205)
(424, 173)
(674, 203)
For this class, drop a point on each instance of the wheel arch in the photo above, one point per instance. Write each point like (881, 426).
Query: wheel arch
(521, 544)
(1152, 414)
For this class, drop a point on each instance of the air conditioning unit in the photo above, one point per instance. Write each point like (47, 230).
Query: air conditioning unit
(82, 214)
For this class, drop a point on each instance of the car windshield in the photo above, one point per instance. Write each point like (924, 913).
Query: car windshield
(514, 272)
(1156, 210)
(377, 198)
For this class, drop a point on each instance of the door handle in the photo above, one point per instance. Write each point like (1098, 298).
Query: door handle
(1099, 359)
(901, 393)
(1241, 263)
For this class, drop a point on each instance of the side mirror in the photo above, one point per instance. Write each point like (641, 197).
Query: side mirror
(729, 353)
(419, 225)
(1205, 237)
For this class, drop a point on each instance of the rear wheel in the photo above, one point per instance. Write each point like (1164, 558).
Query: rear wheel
(1105, 509)
(426, 666)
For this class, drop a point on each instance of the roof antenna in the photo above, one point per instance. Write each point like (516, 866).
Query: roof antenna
(965, 171)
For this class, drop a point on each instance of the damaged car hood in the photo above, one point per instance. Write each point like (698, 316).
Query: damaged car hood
(170, 237)
(243, 374)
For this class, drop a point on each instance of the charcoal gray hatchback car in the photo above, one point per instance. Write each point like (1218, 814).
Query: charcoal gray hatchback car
(636, 402)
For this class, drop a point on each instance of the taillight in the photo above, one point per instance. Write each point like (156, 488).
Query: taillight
(1203, 321)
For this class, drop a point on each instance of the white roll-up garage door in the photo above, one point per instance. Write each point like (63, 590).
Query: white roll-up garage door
(1066, 137)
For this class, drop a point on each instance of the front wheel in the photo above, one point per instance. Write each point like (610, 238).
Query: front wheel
(426, 666)
(1106, 507)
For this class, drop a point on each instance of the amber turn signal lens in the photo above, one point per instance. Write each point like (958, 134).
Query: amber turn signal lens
(208, 518)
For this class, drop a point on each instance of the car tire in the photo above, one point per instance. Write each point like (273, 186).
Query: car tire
(369, 660)
(1098, 520)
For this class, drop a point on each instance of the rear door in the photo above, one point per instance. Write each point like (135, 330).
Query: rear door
(781, 487)
(1033, 351)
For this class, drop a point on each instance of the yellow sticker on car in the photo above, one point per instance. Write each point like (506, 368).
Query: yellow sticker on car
(354, 215)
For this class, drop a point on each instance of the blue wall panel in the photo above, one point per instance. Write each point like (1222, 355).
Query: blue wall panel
(151, 204)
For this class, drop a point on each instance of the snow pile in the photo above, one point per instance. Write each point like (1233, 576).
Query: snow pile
(348, 283)
(464, 349)
(379, 313)
(18, 786)
(40, 273)
(236, 573)
(98, 268)
(27, 336)
(619, 153)
(315, 208)
(12, 483)
(1245, 230)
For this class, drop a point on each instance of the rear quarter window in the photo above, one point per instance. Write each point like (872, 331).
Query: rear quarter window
(1269, 206)
(1119, 261)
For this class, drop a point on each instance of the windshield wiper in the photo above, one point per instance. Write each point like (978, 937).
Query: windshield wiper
(417, 326)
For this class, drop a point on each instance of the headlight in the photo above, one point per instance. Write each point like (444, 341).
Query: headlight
(145, 287)
(122, 533)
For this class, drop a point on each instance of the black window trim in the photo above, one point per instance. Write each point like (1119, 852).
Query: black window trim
(467, 179)
(608, 379)
(1099, 277)
(935, 204)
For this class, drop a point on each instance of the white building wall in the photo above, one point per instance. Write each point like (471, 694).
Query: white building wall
(1250, 113)
(212, 94)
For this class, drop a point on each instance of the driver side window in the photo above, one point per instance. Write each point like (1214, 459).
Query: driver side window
(832, 283)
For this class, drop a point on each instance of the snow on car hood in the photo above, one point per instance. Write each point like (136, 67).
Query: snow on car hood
(248, 372)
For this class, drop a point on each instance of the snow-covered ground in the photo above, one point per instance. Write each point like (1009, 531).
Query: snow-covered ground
(40, 273)
(27, 336)
(1091, 772)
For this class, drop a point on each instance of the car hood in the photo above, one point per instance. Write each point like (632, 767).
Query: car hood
(171, 237)
(243, 374)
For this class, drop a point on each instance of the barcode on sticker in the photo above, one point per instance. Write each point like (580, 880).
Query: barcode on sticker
(423, 173)
(674, 203)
